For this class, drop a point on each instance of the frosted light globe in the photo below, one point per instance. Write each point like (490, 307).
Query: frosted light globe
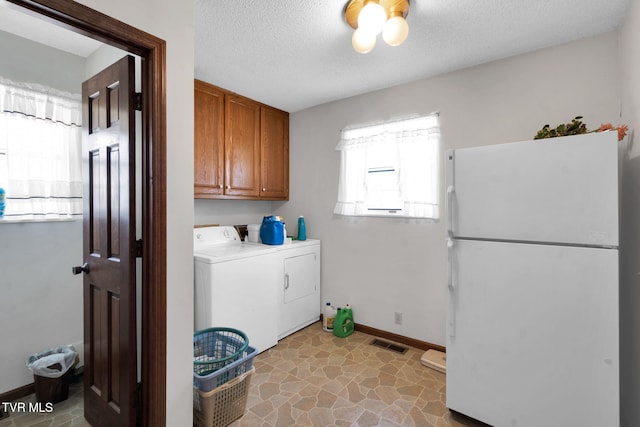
(395, 31)
(372, 18)
(362, 41)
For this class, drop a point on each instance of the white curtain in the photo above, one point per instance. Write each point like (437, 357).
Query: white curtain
(409, 149)
(40, 136)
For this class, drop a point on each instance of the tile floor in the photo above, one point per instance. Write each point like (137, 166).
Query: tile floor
(65, 414)
(312, 378)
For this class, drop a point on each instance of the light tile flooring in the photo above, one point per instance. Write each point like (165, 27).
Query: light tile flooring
(312, 378)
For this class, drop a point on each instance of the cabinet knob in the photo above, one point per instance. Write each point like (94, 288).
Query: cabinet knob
(228, 187)
(220, 186)
(264, 189)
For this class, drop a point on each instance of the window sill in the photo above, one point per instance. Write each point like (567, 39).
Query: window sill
(417, 219)
(23, 221)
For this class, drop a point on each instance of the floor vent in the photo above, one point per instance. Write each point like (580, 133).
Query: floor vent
(389, 346)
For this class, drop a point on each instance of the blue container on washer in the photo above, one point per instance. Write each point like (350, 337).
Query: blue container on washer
(272, 230)
(302, 229)
(3, 197)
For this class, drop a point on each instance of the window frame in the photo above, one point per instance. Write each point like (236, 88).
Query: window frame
(391, 145)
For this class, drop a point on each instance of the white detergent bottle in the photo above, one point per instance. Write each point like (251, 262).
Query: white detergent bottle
(328, 315)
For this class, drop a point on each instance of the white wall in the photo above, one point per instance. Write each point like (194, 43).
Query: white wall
(26, 61)
(104, 56)
(630, 226)
(41, 301)
(173, 22)
(231, 212)
(382, 266)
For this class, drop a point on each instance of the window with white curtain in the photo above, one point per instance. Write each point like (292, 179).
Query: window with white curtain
(40, 151)
(390, 169)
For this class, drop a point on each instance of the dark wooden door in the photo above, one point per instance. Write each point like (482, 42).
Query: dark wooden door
(109, 246)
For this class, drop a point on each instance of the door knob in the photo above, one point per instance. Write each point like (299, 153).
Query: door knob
(84, 268)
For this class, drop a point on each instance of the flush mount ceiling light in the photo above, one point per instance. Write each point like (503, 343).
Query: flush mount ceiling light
(371, 17)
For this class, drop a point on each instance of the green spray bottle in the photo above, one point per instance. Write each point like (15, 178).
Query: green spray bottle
(343, 325)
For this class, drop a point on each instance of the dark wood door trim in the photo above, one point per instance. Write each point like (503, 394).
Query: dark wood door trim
(152, 50)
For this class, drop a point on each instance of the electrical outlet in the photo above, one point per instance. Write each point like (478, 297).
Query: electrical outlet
(397, 318)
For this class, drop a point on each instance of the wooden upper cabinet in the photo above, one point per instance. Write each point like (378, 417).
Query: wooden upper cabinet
(241, 147)
(274, 154)
(208, 140)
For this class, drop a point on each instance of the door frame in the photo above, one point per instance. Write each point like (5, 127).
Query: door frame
(91, 23)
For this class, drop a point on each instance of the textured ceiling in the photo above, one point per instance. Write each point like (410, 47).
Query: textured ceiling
(295, 54)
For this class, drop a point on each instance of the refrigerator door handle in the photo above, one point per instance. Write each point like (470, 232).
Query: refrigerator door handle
(450, 192)
(451, 287)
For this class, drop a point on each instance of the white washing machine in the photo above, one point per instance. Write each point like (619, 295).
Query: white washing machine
(234, 285)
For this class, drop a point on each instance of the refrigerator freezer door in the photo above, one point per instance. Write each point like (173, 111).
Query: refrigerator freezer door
(536, 335)
(559, 190)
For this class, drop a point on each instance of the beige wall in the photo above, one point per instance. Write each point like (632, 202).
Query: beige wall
(382, 266)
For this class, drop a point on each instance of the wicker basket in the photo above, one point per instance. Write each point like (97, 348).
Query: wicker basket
(223, 405)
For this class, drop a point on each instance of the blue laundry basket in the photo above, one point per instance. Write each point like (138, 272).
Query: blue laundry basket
(215, 348)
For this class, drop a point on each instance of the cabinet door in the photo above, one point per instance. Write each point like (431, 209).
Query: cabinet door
(274, 139)
(242, 147)
(208, 140)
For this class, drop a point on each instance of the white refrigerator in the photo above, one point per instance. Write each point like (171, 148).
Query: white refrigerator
(532, 321)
